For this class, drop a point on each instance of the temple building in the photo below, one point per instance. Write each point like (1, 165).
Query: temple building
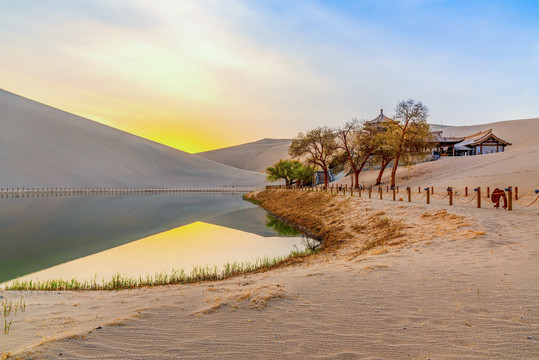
(482, 142)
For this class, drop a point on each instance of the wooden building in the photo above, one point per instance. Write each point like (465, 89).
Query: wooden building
(483, 142)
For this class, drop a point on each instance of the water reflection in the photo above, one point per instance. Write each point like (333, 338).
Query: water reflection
(40, 233)
(199, 244)
(283, 229)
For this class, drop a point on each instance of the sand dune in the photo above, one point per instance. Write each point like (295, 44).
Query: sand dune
(254, 156)
(41, 146)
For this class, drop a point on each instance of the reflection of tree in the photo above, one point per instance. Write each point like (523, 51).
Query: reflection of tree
(282, 228)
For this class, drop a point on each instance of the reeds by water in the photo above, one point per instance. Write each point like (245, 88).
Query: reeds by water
(120, 281)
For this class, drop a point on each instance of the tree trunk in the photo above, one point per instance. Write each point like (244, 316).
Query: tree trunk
(384, 165)
(358, 171)
(394, 170)
(326, 176)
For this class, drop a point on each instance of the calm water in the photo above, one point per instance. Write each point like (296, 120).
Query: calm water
(87, 236)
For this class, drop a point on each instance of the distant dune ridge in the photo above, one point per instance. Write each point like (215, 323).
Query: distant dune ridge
(41, 146)
(254, 156)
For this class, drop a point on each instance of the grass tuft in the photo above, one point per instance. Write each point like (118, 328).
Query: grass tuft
(198, 274)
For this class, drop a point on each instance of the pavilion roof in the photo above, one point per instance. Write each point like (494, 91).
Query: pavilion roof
(380, 119)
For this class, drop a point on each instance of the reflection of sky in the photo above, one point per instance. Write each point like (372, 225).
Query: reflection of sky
(189, 73)
(182, 248)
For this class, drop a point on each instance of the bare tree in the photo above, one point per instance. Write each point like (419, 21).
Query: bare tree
(358, 142)
(319, 147)
(410, 131)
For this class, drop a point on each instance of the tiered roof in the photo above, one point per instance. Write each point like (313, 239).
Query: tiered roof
(380, 119)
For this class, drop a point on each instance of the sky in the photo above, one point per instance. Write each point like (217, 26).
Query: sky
(204, 74)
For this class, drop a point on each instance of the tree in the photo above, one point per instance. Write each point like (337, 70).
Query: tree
(410, 133)
(384, 147)
(283, 169)
(318, 146)
(304, 174)
(358, 142)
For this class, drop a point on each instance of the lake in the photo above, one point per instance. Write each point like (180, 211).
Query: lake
(98, 236)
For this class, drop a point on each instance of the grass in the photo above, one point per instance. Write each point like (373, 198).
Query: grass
(198, 274)
(8, 308)
(252, 200)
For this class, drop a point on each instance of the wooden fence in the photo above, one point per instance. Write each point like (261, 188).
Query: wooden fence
(507, 198)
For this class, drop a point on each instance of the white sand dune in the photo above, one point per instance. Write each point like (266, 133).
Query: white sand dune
(41, 146)
(254, 156)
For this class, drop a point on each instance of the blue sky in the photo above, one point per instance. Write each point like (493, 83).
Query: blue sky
(204, 74)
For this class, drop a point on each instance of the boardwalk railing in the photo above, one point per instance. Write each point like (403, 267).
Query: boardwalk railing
(506, 198)
(70, 191)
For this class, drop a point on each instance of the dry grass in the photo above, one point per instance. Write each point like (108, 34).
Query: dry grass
(350, 227)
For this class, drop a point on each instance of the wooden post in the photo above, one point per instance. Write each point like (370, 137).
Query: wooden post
(488, 191)
(478, 190)
(387, 188)
(509, 198)
(381, 191)
(450, 195)
(359, 191)
(409, 191)
(397, 188)
(428, 195)
(370, 191)
(394, 194)
(516, 192)
(466, 191)
(432, 189)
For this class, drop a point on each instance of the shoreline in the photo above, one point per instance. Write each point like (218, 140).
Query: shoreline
(384, 301)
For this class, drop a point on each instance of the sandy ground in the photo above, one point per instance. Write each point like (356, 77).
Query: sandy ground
(457, 284)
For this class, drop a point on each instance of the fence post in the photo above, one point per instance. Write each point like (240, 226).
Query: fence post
(516, 192)
(450, 194)
(428, 195)
(381, 191)
(478, 190)
(351, 191)
(466, 191)
(509, 198)
(488, 191)
(387, 188)
(394, 194)
(409, 191)
(370, 191)
(419, 189)
(359, 190)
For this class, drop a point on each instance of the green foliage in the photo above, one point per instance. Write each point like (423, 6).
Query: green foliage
(282, 228)
(291, 171)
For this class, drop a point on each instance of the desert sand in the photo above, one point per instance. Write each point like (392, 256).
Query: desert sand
(45, 147)
(254, 156)
(453, 283)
